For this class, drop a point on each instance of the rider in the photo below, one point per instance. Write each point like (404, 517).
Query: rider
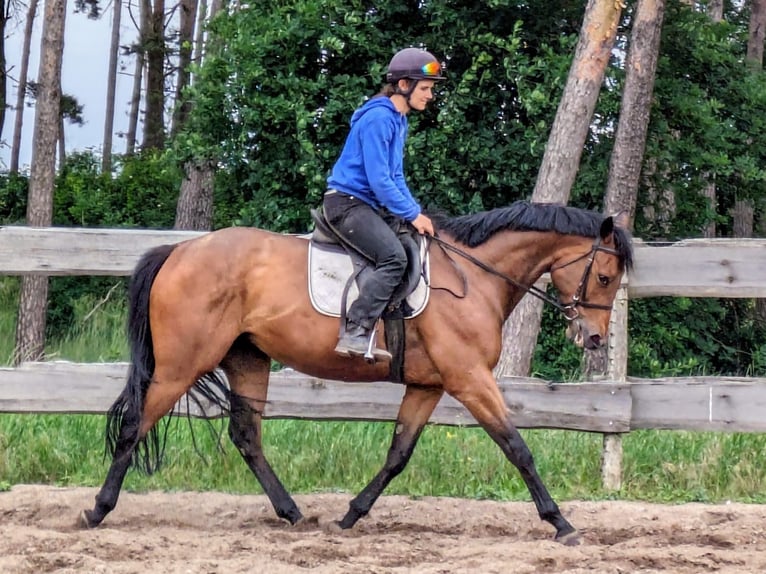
(367, 197)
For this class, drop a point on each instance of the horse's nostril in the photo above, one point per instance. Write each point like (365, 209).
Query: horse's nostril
(596, 340)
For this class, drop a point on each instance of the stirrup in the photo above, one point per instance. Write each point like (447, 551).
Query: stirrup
(375, 353)
(370, 352)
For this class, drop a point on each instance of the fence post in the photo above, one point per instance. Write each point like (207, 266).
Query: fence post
(617, 371)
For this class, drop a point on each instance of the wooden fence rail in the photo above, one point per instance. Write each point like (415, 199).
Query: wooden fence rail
(689, 403)
(693, 268)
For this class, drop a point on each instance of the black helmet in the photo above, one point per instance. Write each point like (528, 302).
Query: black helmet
(413, 64)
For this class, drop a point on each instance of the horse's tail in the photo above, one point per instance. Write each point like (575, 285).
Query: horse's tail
(124, 416)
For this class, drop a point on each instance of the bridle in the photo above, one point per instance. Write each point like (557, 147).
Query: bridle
(578, 299)
(569, 310)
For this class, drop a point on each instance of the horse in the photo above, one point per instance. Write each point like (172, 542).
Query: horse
(235, 299)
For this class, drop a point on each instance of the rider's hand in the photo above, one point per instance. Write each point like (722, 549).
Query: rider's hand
(423, 224)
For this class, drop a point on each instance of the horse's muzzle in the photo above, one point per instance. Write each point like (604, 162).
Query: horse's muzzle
(579, 335)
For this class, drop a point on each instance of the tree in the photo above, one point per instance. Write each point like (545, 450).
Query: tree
(5, 9)
(111, 86)
(154, 46)
(635, 109)
(194, 209)
(22, 86)
(199, 38)
(715, 10)
(756, 32)
(195, 202)
(708, 191)
(624, 176)
(71, 111)
(145, 8)
(561, 160)
(30, 329)
(185, 45)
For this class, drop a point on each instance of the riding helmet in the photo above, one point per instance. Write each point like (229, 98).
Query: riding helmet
(413, 64)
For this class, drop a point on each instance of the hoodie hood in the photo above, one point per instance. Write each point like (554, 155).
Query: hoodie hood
(371, 104)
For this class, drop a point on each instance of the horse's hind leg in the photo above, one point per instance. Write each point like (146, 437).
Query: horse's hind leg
(136, 423)
(106, 499)
(485, 402)
(416, 408)
(247, 369)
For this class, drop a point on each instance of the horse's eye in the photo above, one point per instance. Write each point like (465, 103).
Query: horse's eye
(603, 280)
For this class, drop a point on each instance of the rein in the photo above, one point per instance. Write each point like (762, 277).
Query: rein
(569, 310)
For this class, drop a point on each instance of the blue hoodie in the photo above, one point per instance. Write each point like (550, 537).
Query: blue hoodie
(370, 165)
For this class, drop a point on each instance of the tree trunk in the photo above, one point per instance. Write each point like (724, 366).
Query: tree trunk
(30, 330)
(742, 218)
(760, 231)
(215, 7)
(199, 39)
(562, 158)
(630, 138)
(708, 192)
(195, 202)
(111, 86)
(755, 35)
(3, 66)
(22, 89)
(621, 195)
(154, 119)
(185, 41)
(62, 144)
(135, 98)
(715, 10)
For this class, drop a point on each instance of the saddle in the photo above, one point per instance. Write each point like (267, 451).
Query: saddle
(336, 270)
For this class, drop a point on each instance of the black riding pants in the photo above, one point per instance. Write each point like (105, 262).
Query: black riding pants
(373, 234)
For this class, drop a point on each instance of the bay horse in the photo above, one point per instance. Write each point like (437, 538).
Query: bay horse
(236, 299)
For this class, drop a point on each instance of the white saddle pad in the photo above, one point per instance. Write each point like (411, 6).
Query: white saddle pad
(329, 270)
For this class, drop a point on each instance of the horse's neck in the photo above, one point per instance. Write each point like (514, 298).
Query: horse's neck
(522, 256)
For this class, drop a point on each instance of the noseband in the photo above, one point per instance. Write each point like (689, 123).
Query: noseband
(569, 310)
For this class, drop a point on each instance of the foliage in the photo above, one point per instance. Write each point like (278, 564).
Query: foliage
(708, 124)
(273, 97)
(272, 103)
(13, 198)
(142, 194)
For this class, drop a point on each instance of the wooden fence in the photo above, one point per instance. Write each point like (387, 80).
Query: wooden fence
(619, 404)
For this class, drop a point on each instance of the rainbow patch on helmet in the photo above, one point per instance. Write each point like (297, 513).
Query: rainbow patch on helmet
(431, 69)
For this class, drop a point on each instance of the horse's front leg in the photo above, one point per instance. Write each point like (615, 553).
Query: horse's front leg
(483, 399)
(416, 408)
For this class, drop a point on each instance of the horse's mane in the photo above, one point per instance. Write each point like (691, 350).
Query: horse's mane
(476, 228)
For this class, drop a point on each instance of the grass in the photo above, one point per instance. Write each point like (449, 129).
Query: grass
(311, 456)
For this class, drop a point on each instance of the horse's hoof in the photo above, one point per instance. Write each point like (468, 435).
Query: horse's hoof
(570, 538)
(332, 527)
(85, 521)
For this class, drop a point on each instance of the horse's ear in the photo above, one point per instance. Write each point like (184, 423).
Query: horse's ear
(620, 219)
(607, 227)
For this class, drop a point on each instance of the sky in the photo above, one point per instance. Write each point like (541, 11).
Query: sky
(84, 71)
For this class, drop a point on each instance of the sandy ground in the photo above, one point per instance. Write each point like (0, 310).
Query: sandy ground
(206, 533)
